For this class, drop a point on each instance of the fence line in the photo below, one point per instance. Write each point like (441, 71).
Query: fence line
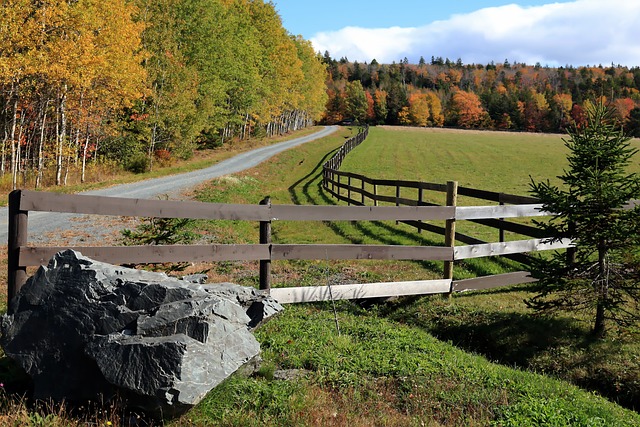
(361, 190)
(21, 255)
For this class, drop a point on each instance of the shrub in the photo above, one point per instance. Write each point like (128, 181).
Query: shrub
(137, 163)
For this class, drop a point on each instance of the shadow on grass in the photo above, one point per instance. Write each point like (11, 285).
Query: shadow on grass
(309, 190)
(562, 347)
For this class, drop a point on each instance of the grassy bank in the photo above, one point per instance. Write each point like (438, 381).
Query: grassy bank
(376, 371)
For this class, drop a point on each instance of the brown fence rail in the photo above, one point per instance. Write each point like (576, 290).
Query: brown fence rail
(21, 255)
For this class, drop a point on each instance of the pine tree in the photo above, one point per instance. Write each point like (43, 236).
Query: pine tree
(601, 274)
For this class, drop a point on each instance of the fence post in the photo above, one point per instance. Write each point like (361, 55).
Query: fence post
(420, 199)
(18, 222)
(265, 239)
(333, 180)
(501, 229)
(349, 191)
(324, 176)
(450, 229)
(375, 194)
(397, 198)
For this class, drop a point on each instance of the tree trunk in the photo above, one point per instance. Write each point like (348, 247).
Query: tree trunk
(21, 136)
(14, 152)
(85, 150)
(43, 125)
(154, 128)
(602, 289)
(72, 148)
(61, 137)
(5, 139)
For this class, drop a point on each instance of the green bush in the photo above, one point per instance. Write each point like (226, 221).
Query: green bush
(137, 163)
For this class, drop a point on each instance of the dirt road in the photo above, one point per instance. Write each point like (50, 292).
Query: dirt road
(42, 225)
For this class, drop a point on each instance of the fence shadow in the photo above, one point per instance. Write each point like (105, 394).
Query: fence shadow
(314, 178)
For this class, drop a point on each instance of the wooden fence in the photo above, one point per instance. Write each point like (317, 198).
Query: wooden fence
(359, 190)
(21, 255)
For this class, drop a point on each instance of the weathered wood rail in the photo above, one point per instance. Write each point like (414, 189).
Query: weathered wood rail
(21, 255)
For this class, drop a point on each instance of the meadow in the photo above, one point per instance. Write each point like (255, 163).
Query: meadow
(487, 160)
(478, 359)
(379, 368)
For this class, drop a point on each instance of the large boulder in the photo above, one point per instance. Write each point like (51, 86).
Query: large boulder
(86, 330)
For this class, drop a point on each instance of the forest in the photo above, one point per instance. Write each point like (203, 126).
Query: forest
(518, 97)
(132, 82)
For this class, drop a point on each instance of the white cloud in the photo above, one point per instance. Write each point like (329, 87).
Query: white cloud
(576, 33)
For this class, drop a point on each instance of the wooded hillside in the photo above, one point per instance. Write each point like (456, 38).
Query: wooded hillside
(495, 96)
(134, 81)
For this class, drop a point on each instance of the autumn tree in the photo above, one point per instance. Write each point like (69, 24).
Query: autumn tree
(602, 277)
(467, 110)
(312, 88)
(622, 108)
(536, 111)
(380, 106)
(356, 101)
(68, 67)
(436, 117)
(418, 109)
(561, 110)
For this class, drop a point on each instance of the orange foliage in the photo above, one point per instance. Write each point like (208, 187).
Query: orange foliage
(468, 109)
(623, 107)
(370, 103)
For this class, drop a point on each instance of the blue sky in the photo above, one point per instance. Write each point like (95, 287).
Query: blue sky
(555, 33)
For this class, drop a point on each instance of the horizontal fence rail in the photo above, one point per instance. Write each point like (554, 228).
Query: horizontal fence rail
(21, 255)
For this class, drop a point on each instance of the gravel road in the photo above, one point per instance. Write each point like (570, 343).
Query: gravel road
(43, 224)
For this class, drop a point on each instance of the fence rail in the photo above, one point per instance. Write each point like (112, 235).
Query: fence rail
(21, 255)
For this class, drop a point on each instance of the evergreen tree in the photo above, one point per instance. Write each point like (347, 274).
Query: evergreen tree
(599, 276)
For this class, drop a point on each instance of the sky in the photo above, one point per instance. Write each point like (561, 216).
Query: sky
(552, 33)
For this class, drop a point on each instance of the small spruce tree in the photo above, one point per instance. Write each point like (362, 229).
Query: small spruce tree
(600, 274)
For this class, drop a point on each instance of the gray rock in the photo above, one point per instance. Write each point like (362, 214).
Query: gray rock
(86, 330)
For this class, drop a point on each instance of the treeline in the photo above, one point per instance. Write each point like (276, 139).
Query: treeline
(494, 96)
(129, 82)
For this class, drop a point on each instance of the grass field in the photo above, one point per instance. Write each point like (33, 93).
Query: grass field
(487, 160)
(479, 359)
(380, 370)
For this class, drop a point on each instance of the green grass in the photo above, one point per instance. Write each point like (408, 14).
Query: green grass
(380, 372)
(386, 368)
(498, 325)
(494, 161)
